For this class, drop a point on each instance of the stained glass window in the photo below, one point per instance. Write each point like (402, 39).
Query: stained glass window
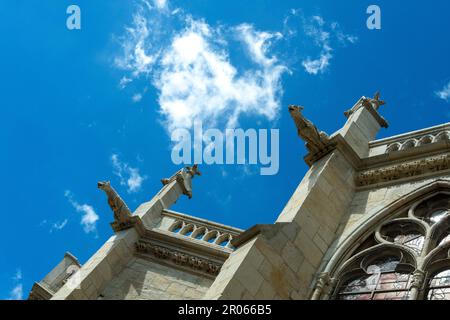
(413, 241)
(439, 288)
(386, 262)
(444, 240)
(381, 282)
(436, 216)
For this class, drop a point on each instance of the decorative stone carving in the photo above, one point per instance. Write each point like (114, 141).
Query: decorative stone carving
(184, 178)
(123, 218)
(404, 170)
(323, 280)
(179, 258)
(374, 102)
(418, 279)
(317, 142)
(372, 105)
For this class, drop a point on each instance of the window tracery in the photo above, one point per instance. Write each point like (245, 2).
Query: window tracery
(406, 257)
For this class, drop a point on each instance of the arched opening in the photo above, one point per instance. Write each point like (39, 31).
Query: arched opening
(400, 258)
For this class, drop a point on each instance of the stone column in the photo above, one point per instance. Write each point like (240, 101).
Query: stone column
(416, 284)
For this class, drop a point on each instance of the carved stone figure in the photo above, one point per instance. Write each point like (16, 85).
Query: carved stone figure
(179, 258)
(122, 214)
(184, 177)
(374, 102)
(369, 103)
(316, 141)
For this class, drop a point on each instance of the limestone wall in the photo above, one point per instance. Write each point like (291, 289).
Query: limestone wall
(147, 280)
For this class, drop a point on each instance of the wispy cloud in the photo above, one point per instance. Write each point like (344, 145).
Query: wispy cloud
(137, 97)
(129, 176)
(444, 93)
(193, 72)
(320, 39)
(18, 275)
(59, 225)
(198, 80)
(190, 63)
(322, 35)
(89, 218)
(55, 226)
(16, 292)
(124, 82)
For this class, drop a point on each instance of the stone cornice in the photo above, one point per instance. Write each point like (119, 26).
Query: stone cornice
(179, 258)
(410, 169)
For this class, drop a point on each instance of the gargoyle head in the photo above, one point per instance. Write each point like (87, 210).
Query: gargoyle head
(295, 109)
(104, 185)
(193, 170)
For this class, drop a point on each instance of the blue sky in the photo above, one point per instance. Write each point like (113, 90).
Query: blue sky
(99, 103)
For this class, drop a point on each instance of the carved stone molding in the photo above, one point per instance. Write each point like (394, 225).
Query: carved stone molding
(179, 258)
(403, 170)
(123, 218)
(184, 178)
(317, 142)
(418, 279)
(372, 105)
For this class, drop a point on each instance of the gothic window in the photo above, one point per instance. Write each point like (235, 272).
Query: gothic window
(382, 279)
(439, 287)
(406, 257)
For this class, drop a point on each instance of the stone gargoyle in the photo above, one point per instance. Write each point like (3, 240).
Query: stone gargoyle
(316, 141)
(184, 178)
(123, 218)
(374, 102)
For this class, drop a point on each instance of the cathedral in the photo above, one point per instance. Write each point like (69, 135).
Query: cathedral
(370, 220)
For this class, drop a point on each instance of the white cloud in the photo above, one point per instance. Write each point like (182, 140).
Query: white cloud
(89, 218)
(160, 4)
(317, 65)
(128, 176)
(198, 80)
(195, 76)
(193, 70)
(137, 97)
(444, 93)
(16, 293)
(124, 82)
(136, 56)
(59, 225)
(323, 36)
(18, 275)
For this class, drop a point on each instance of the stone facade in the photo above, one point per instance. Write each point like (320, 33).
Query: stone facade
(162, 254)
